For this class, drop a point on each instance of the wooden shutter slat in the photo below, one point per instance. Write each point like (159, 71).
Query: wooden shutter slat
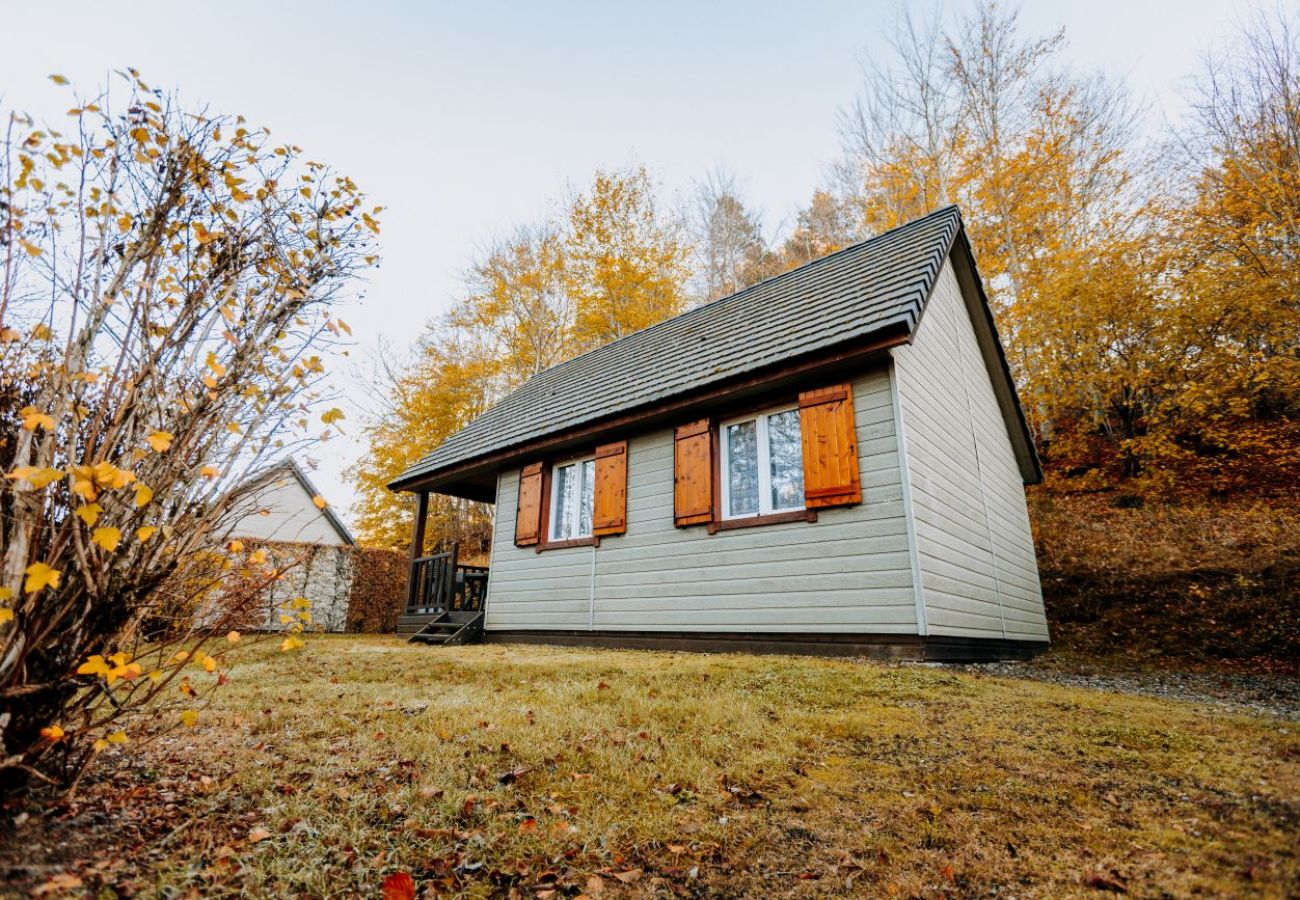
(693, 473)
(528, 515)
(609, 513)
(830, 447)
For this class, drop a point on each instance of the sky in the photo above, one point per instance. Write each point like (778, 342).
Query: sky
(465, 119)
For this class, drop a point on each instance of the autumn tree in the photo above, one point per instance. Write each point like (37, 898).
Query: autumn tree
(167, 280)
(1046, 168)
(451, 376)
(727, 238)
(626, 260)
(1240, 224)
(609, 262)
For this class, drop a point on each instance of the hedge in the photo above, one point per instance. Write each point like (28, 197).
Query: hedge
(378, 594)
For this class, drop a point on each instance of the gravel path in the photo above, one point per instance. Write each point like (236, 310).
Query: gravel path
(1277, 695)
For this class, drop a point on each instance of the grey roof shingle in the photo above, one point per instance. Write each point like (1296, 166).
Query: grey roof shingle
(850, 294)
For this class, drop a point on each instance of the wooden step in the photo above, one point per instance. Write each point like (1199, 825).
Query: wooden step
(461, 629)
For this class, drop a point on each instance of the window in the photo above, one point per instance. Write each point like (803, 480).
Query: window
(762, 464)
(573, 494)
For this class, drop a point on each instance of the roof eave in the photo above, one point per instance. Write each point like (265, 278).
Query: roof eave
(463, 479)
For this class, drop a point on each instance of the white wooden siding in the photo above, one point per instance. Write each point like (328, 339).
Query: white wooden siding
(284, 511)
(850, 571)
(975, 549)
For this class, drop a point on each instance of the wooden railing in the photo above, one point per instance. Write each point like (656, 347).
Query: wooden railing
(440, 584)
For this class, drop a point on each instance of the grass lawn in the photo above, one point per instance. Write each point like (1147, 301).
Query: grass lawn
(479, 770)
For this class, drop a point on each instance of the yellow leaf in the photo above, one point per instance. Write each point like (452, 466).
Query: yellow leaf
(41, 332)
(6, 593)
(32, 249)
(107, 537)
(37, 476)
(291, 643)
(110, 476)
(59, 80)
(209, 472)
(331, 416)
(33, 418)
(320, 501)
(189, 717)
(95, 665)
(117, 737)
(40, 576)
(233, 427)
(53, 733)
(235, 546)
(233, 637)
(6, 614)
(144, 532)
(143, 494)
(100, 745)
(89, 513)
(217, 368)
(160, 441)
(257, 557)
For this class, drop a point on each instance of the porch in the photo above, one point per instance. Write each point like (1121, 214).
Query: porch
(444, 597)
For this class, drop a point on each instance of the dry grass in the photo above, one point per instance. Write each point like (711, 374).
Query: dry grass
(1213, 582)
(481, 770)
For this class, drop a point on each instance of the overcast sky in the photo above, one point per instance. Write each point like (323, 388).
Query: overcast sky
(463, 119)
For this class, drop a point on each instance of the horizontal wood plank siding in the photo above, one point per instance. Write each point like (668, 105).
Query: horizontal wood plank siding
(850, 571)
(974, 544)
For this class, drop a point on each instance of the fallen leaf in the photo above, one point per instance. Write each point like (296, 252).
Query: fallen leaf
(257, 833)
(399, 886)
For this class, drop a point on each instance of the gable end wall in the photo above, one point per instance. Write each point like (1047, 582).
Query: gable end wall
(975, 549)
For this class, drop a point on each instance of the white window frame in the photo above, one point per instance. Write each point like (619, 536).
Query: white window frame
(765, 507)
(575, 509)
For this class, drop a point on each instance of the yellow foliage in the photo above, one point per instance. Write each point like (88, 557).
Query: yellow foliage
(160, 440)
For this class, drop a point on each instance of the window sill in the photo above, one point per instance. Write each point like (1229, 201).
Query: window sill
(794, 515)
(576, 542)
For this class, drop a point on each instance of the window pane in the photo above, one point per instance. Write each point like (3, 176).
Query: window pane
(785, 450)
(564, 491)
(588, 498)
(742, 469)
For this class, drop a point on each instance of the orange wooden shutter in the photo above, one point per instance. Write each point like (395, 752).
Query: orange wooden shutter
(610, 513)
(693, 474)
(830, 447)
(528, 519)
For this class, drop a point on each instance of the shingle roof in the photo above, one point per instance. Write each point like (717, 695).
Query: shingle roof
(851, 294)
